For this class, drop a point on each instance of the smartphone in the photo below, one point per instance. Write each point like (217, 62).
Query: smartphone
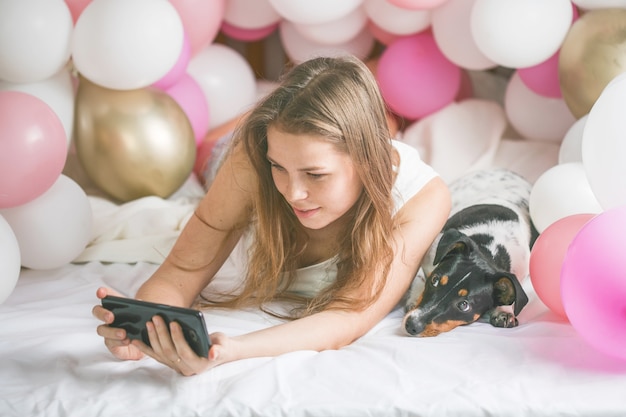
(132, 315)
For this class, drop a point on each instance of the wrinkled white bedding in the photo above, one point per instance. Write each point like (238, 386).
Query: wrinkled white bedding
(52, 363)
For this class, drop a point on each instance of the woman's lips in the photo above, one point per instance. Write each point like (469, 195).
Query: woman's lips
(304, 214)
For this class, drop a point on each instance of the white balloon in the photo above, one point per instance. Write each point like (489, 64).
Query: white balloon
(127, 44)
(453, 34)
(299, 49)
(54, 228)
(561, 191)
(604, 147)
(600, 4)
(56, 91)
(227, 81)
(251, 14)
(337, 31)
(34, 39)
(571, 149)
(520, 34)
(534, 116)
(314, 12)
(9, 260)
(397, 20)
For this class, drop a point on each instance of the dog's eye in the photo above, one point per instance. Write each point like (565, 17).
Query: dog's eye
(463, 305)
(435, 280)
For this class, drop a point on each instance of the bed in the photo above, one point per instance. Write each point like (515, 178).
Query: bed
(54, 364)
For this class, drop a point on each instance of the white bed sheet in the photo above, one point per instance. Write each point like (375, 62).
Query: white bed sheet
(54, 364)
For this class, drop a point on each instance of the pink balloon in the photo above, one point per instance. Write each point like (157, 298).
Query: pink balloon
(543, 78)
(201, 20)
(417, 4)
(546, 259)
(33, 148)
(593, 282)
(380, 34)
(247, 35)
(179, 68)
(415, 78)
(76, 7)
(190, 97)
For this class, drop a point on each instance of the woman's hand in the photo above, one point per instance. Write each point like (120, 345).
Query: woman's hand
(168, 346)
(115, 339)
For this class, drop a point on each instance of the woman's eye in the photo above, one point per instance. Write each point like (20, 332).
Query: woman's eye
(315, 176)
(463, 305)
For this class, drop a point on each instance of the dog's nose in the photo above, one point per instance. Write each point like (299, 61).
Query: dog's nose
(413, 326)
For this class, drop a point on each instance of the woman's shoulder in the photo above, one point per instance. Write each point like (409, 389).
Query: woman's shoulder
(412, 173)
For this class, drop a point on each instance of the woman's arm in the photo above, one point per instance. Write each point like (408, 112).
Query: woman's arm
(420, 220)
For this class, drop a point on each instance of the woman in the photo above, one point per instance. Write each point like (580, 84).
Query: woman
(337, 215)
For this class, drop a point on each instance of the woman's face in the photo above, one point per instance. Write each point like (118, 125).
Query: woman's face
(319, 182)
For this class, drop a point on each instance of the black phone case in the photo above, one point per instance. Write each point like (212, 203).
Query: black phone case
(132, 315)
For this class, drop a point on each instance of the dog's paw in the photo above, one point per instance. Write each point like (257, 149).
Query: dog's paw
(503, 319)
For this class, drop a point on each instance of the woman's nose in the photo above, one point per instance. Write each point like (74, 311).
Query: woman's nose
(296, 190)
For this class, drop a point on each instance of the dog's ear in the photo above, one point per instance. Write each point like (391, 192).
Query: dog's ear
(451, 241)
(507, 290)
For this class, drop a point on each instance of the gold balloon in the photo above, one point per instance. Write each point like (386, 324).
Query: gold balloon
(132, 143)
(592, 54)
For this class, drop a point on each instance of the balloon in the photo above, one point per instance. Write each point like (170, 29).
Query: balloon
(76, 7)
(10, 261)
(543, 78)
(133, 143)
(178, 70)
(247, 35)
(201, 20)
(380, 34)
(571, 149)
(191, 99)
(314, 12)
(418, 4)
(250, 14)
(599, 4)
(127, 44)
(593, 282)
(561, 191)
(299, 49)
(415, 78)
(520, 34)
(592, 54)
(57, 92)
(337, 31)
(453, 34)
(604, 147)
(546, 259)
(397, 20)
(54, 228)
(534, 116)
(33, 147)
(227, 81)
(34, 39)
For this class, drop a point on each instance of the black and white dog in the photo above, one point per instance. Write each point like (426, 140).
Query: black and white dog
(475, 265)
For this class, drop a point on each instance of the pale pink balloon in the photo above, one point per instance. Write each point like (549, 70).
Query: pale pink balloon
(247, 35)
(201, 20)
(33, 148)
(179, 68)
(546, 259)
(190, 97)
(417, 4)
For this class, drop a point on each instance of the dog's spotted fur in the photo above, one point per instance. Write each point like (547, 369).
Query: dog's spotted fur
(476, 264)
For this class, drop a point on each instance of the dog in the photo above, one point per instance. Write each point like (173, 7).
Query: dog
(474, 268)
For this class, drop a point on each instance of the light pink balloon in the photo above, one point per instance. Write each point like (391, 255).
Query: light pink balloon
(201, 20)
(546, 259)
(179, 68)
(190, 97)
(33, 148)
(417, 4)
(247, 35)
(593, 282)
(415, 78)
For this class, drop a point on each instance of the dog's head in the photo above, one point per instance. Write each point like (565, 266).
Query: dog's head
(464, 284)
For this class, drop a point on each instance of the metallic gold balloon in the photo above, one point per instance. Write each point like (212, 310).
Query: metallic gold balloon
(592, 54)
(132, 143)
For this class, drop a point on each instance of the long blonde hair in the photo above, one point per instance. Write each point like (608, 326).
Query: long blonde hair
(338, 99)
